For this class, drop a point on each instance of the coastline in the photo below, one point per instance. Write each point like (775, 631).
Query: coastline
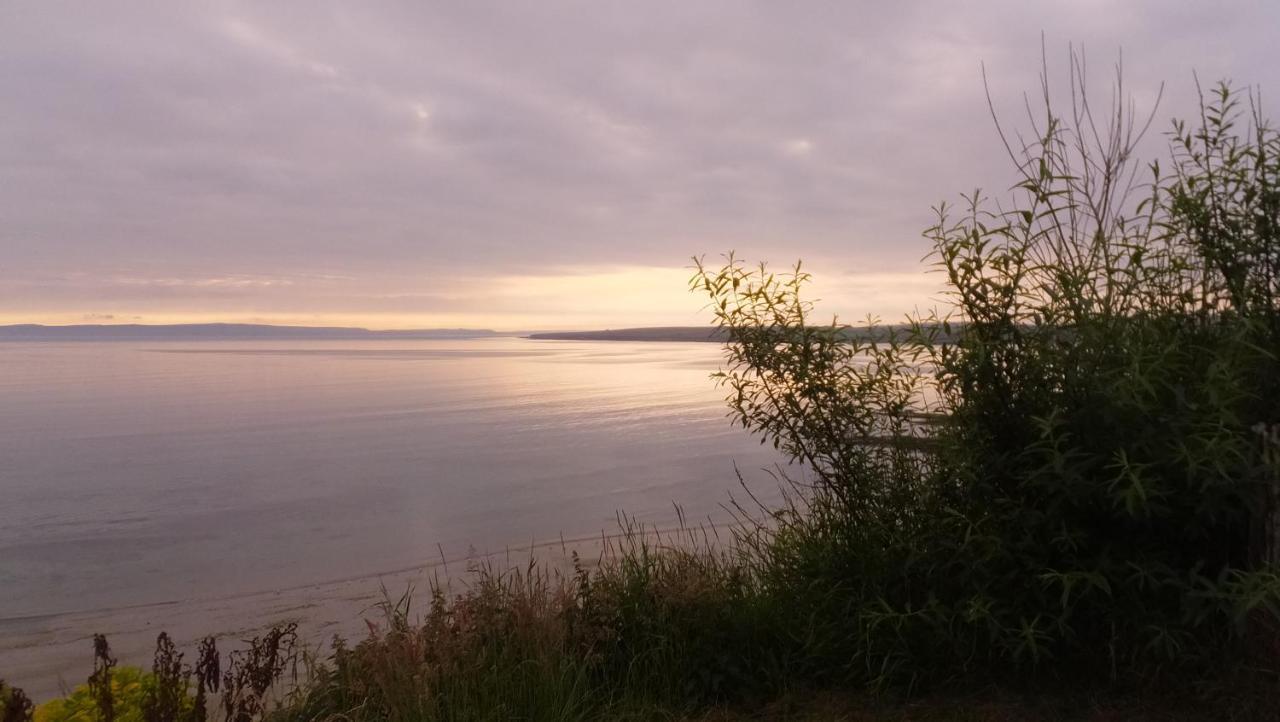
(682, 334)
(48, 655)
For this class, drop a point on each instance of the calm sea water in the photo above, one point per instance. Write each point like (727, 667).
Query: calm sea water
(137, 473)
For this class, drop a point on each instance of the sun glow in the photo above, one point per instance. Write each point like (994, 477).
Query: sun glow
(563, 299)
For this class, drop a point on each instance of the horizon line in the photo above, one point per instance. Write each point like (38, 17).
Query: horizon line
(325, 327)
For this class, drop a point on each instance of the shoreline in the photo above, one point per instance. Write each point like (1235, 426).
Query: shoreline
(47, 655)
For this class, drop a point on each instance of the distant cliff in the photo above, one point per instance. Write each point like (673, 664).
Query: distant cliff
(700, 334)
(657, 333)
(223, 331)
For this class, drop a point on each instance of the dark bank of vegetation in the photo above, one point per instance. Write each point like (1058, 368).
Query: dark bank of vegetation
(1066, 513)
(720, 334)
(651, 333)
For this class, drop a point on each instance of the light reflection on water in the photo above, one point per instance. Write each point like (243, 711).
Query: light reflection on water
(134, 473)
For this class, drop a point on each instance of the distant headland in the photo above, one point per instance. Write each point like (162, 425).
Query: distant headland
(225, 331)
(714, 335)
(655, 333)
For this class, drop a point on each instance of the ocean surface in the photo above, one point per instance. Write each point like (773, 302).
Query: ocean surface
(140, 473)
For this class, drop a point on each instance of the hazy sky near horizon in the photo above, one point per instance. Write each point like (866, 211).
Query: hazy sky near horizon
(525, 165)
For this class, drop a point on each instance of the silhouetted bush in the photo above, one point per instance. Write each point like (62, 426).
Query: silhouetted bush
(1079, 480)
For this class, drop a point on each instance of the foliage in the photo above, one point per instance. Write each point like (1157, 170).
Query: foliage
(662, 621)
(1075, 483)
(128, 694)
(129, 686)
(14, 704)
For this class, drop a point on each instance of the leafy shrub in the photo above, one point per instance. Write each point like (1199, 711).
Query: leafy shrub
(130, 687)
(14, 704)
(128, 694)
(1063, 473)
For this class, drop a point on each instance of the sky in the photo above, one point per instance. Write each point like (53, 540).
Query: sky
(517, 166)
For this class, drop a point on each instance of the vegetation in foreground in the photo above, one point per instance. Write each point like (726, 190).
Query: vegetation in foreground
(1069, 507)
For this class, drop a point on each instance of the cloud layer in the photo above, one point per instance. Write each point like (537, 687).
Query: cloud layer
(521, 164)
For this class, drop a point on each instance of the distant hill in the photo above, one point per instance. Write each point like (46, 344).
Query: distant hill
(223, 331)
(694, 333)
(657, 333)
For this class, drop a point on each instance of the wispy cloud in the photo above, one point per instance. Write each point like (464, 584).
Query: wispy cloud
(219, 282)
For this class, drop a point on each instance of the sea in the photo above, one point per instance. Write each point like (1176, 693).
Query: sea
(137, 473)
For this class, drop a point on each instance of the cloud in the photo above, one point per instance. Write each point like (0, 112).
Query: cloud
(180, 157)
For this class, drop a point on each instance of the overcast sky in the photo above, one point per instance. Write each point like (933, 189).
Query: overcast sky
(524, 165)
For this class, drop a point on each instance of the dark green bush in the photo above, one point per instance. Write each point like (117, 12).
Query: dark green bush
(15, 706)
(1068, 472)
